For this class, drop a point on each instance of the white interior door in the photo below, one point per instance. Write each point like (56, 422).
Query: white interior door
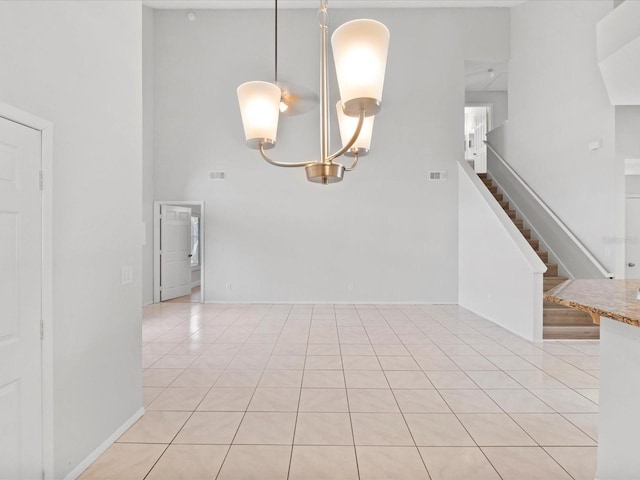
(632, 269)
(476, 127)
(20, 302)
(175, 252)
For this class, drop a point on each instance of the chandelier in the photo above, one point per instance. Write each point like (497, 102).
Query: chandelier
(360, 56)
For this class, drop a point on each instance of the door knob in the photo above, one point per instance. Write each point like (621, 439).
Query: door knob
(190, 255)
(631, 264)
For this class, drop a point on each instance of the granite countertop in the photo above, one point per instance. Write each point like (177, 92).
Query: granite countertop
(615, 299)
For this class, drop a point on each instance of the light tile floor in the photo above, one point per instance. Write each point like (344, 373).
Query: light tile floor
(354, 392)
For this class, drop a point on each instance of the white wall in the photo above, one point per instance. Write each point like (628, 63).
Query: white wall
(272, 235)
(499, 101)
(500, 274)
(78, 64)
(628, 140)
(557, 106)
(148, 79)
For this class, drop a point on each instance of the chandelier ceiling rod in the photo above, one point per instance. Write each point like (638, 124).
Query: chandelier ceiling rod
(275, 32)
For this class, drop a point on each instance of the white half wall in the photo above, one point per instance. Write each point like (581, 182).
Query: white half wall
(500, 274)
(79, 65)
(272, 236)
(558, 105)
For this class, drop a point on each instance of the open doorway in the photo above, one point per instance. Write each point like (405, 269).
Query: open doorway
(486, 106)
(477, 122)
(178, 252)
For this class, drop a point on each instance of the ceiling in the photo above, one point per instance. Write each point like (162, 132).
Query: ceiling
(238, 4)
(479, 78)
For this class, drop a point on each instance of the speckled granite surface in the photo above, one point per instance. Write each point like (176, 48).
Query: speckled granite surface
(615, 299)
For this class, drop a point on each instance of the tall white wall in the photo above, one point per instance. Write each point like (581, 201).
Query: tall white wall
(78, 64)
(148, 80)
(498, 100)
(271, 235)
(557, 106)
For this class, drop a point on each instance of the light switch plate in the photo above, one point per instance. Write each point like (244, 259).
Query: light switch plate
(127, 274)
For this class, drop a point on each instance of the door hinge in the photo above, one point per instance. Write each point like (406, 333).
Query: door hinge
(41, 180)
(160, 287)
(41, 329)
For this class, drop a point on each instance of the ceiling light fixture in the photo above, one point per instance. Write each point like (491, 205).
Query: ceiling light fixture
(360, 57)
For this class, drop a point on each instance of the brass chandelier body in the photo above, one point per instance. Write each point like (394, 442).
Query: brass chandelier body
(326, 170)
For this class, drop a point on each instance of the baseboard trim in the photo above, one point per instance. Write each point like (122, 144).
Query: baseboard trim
(289, 302)
(510, 330)
(93, 456)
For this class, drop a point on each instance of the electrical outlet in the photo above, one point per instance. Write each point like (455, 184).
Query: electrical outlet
(350, 286)
(127, 274)
(228, 286)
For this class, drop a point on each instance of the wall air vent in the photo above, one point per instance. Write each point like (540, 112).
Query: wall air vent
(438, 176)
(216, 175)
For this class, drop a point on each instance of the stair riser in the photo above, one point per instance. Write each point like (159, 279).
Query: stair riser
(554, 318)
(552, 270)
(571, 333)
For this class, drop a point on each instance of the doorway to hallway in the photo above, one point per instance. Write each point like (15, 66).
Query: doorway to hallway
(476, 125)
(179, 251)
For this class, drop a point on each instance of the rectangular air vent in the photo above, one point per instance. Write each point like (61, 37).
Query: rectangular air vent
(438, 176)
(216, 175)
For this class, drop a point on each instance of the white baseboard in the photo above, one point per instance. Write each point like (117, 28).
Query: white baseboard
(195, 284)
(289, 302)
(146, 304)
(93, 456)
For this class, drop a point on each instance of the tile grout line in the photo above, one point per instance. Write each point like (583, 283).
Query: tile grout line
(346, 394)
(469, 434)
(250, 399)
(384, 372)
(295, 425)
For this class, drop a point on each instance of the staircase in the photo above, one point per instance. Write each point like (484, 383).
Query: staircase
(559, 322)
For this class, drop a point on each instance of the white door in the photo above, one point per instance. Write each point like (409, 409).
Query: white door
(20, 302)
(476, 127)
(175, 252)
(633, 238)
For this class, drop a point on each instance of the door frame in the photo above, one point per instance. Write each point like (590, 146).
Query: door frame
(45, 128)
(627, 197)
(157, 205)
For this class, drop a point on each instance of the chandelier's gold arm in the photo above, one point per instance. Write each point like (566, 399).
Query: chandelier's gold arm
(349, 144)
(356, 156)
(282, 164)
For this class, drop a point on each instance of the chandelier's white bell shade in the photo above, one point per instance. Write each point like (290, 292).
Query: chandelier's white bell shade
(360, 54)
(260, 109)
(348, 125)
